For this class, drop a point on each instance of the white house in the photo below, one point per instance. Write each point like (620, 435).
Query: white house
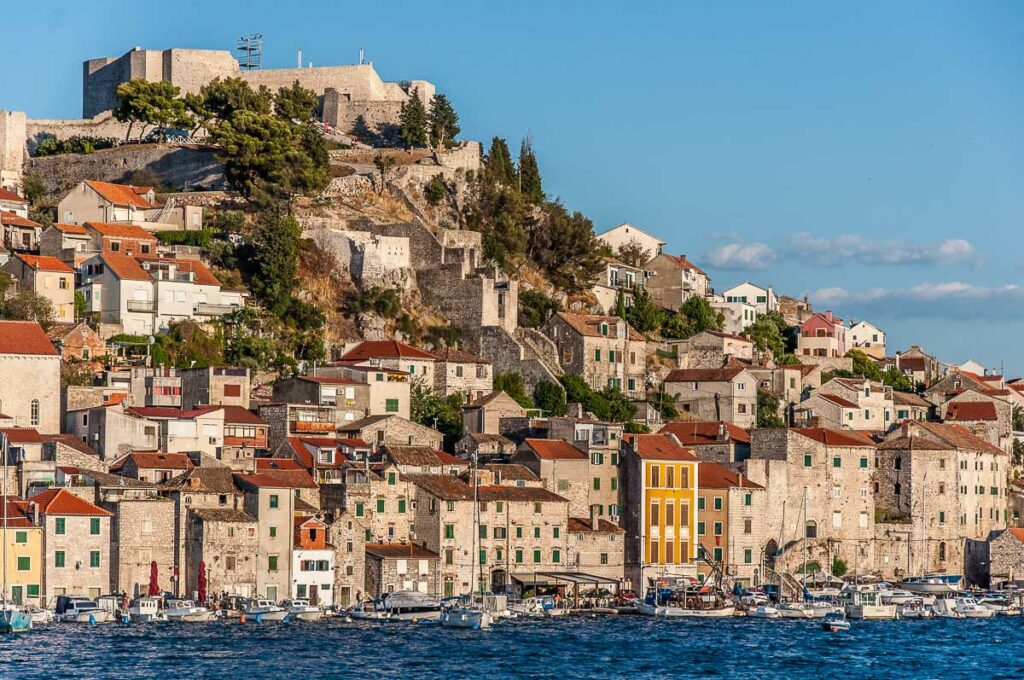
(868, 338)
(764, 299)
(93, 201)
(312, 561)
(29, 377)
(179, 431)
(626, 233)
(11, 202)
(737, 314)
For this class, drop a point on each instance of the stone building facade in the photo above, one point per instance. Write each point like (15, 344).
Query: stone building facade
(396, 566)
(562, 468)
(225, 542)
(347, 533)
(76, 545)
(715, 394)
(33, 400)
(272, 502)
(603, 350)
(142, 532)
(731, 523)
(597, 547)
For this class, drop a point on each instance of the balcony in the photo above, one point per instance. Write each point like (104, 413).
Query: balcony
(308, 426)
(142, 306)
(208, 309)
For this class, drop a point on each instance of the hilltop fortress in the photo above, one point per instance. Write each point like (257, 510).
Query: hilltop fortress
(348, 94)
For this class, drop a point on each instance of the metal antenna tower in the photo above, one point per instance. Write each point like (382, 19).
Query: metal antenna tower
(250, 52)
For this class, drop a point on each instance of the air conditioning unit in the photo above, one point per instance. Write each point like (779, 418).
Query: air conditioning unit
(213, 440)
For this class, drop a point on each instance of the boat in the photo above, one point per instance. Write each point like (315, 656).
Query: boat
(969, 607)
(39, 616)
(835, 623)
(188, 611)
(865, 602)
(302, 610)
(1000, 604)
(264, 610)
(764, 611)
(897, 596)
(146, 610)
(933, 584)
(409, 605)
(686, 601)
(914, 609)
(796, 610)
(13, 618)
(945, 608)
(541, 606)
(822, 584)
(80, 609)
(468, 616)
(367, 611)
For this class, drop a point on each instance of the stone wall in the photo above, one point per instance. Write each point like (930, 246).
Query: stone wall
(347, 534)
(12, 147)
(142, 532)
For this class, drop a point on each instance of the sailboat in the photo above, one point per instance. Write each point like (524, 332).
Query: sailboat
(13, 618)
(469, 615)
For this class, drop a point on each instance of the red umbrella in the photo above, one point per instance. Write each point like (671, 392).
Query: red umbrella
(154, 589)
(202, 581)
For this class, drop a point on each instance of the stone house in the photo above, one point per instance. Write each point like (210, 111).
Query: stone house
(246, 436)
(483, 415)
(955, 382)
(141, 532)
(400, 566)
(272, 502)
(423, 460)
(286, 420)
(873, 405)
(617, 279)
(829, 410)
(918, 365)
(731, 523)
(868, 338)
(910, 406)
(660, 490)
(485, 447)
(147, 385)
(152, 466)
(77, 342)
(601, 442)
(226, 543)
(513, 474)
(1006, 556)
(312, 561)
(387, 390)
(349, 398)
(49, 278)
(627, 234)
(33, 400)
(988, 414)
(381, 499)
(76, 544)
(348, 536)
(93, 201)
(563, 469)
(822, 336)
(23, 541)
(789, 383)
(19, 233)
(419, 364)
(323, 457)
(112, 431)
(69, 243)
(673, 280)
(597, 547)
(715, 394)
(718, 441)
(215, 386)
(178, 431)
(459, 372)
(380, 430)
(712, 349)
(603, 350)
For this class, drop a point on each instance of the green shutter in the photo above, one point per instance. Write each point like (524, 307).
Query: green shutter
(58, 559)
(401, 505)
(391, 405)
(94, 559)
(359, 510)
(94, 526)
(536, 556)
(59, 526)
(556, 556)
(519, 556)
(380, 505)
(24, 563)
(274, 500)
(21, 537)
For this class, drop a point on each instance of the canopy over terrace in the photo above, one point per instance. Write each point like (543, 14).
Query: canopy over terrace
(573, 578)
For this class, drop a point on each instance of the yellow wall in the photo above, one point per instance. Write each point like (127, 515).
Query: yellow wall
(683, 495)
(33, 549)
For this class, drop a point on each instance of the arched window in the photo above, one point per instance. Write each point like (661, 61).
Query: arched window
(942, 551)
(35, 413)
(811, 529)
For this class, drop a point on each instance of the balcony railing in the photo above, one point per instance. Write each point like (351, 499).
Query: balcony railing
(141, 306)
(311, 426)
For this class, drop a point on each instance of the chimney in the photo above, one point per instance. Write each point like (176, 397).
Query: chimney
(593, 517)
(828, 315)
(721, 431)
(35, 512)
(739, 476)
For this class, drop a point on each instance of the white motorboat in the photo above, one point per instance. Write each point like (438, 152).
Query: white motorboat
(1001, 605)
(865, 602)
(822, 609)
(471, 617)
(410, 605)
(80, 609)
(264, 610)
(672, 611)
(914, 609)
(835, 622)
(970, 608)
(932, 585)
(303, 610)
(146, 610)
(945, 608)
(764, 611)
(367, 611)
(40, 617)
(188, 611)
(796, 610)
(897, 596)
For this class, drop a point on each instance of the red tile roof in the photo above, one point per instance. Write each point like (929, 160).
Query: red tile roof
(836, 399)
(1017, 533)
(686, 264)
(590, 325)
(25, 337)
(15, 220)
(971, 410)
(703, 374)
(172, 413)
(580, 524)
(120, 230)
(400, 551)
(45, 263)
(125, 267)
(70, 228)
(237, 415)
(828, 437)
(293, 479)
(717, 476)
(18, 515)
(63, 502)
(121, 194)
(10, 197)
(693, 434)
(421, 456)
(385, 349)
(155, 460)
(511, 472)
(957, 435)
(265, 464)
(23, 435)
(659, 447)
(555, 449)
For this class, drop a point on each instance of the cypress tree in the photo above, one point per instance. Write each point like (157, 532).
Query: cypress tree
(444, 122)
(529, 173)
(412, 121)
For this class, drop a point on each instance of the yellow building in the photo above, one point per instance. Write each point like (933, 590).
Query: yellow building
(24, 542)
(660, 491)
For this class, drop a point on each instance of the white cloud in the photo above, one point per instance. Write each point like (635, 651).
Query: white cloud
(948, 299)
(844, 248)
(741, 255)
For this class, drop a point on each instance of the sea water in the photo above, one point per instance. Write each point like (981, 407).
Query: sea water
(566, 647)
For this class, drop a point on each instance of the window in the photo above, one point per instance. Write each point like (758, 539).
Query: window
(273, 532)
(450, 506)
(942, 518)
(360, 510)
(536, 556)
(718, 528)
(449, 531)
(655, 515)
(380, 505)
(654, 551)
(483, 557)
(555, 532)
(655, 476)
(94, 526)
(604, 558)
(670, 515)
(272, 563)
(862, 521)
(807, 460)
(748, 556)
(483, 531)
(718, 554)
(670, 481)
(34, 415)
(94, 559)
(229, 563)
(59, 526)
(718, 502)
(21, 537)
(24, 563)
(700, 528)
(748, 499)
(700, 503)
(536, 532)
(748, 526)
(597, 355)
(401, 505)
(837, 519)
(519, 532)
(391, 405)
(274, 501)
(563, 484)
(864, 462)
(537, 508)
(58, 559)
(811, 529)
(556, 556)
(391, 479)
(837, 462)
(519, 555)
(597, 483)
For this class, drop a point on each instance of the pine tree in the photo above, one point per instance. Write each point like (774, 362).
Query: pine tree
(444, 122)
(529, 173)
(412, 121)
(499, 163)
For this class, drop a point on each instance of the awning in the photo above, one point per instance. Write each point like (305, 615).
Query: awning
(531, 579)
(578, 577)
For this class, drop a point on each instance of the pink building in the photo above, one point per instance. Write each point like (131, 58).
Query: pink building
(822, 335)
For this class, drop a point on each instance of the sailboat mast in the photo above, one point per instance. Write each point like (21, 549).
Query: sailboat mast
(476, 529)
(3, 596)
(778, 551)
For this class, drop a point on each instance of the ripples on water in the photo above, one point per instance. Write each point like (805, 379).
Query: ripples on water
(569, 647)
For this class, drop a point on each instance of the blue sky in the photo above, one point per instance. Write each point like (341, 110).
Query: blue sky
(868, 154)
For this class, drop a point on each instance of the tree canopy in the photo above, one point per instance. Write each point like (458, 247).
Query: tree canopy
(413, 122)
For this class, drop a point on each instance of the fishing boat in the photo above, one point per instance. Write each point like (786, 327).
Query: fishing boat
(865, 602)
(686, 601)
(13, 618)
(302, 610)
(796, 610)
(264, 610)
(541, 606)
(1002, 605)
(933, 584)
(146, 610)
(764, 611)
(914, 609)
(945, 608)
(969, 607)
(188, 611)
(835, 623)
(469, 614)
(80, 609)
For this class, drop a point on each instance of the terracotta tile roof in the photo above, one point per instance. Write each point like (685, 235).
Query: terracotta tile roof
(9, 196)
(45, 263)
(704, 374)
(444, 487)
(511, 471)
(75, 229)
(836, 399)
(330, 380)
(264, 464)
(238, 415)
(154, 460)
(695, 434)
(717, 476)
(483, 438)
(305, 458)
(120, 230)
(555, 449)
(1017, 533)
(76, 443)
(201, 275)
(23, 435)
(125, 267)
(423, 456)
(225, 515)
(590, 325)
(14, 220)
(294, 479)
(18, 515)
(457, 356)
(658, 447)
(219, 480)
(971, 410)
(121, 194)
(63, 502)
(25, 337)
(958, 436)
(915, 444)
(526, 494)
(579, 525)
(486, 399)
(908, 399)
(824, 435)
(385, 349)
(362, 423)
(686, 264)
(107, 480)
(397, 551)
